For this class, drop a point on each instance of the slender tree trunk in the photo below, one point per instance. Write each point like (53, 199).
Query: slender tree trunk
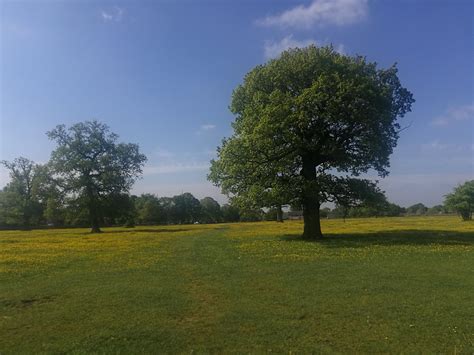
(26, 215)
(93, 212)
(26, 221)
(95, 226)
(311, 204)
(279, 214)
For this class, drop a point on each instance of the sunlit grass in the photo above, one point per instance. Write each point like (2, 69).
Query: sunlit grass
(373, 285)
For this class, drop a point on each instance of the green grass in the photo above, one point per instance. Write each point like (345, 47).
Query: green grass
(374, 285)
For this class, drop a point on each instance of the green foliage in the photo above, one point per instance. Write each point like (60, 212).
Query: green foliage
(271, 214)
(394, 210)
(461, 200)
(305, 123)
(210, 210)
(230, 213)
(251, 215)
(325, 212)
(187, 208)
(417, 209)
(89, 164)
(436, 210)
(11, 213)
(148, 209)
(118, 209)
(54, 213)
(20, 201)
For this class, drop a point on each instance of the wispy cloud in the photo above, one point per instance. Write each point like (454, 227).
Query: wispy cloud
(273, 49)
(437, 146)
(114, 14)
(164, 161)
(457, 114)
(163, 153)
(173, 168)
(198, 189)
(319, 12)
(205, 128)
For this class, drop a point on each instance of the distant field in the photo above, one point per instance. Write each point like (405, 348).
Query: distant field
(374, 285)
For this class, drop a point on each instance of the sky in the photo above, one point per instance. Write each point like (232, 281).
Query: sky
(161, 74)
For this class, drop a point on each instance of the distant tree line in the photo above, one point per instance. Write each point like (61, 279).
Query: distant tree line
(88, 179)
(386, 210)
(33, 202)
(31, 199)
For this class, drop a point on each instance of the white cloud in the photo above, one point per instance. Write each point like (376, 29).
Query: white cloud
(320, 12)
(205, 128)
(172, 168)
(164, 154)
(437, 146)
(457, 114)
(198, 189)
(272, 49)
(113, 15)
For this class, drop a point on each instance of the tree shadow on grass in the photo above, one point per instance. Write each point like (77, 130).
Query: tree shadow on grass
(162, 230)
(150, 230)
(389, 238)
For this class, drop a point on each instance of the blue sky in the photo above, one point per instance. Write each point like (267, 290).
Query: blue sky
(161, 74)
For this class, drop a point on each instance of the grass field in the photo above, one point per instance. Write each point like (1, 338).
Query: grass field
(374, 285)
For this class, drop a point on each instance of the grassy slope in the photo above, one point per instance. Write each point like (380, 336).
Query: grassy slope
(384, 285)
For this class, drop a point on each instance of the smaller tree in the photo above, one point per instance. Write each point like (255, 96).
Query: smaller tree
(436, 210)
(230, 213)
(92, 166)
(119, 209)
(211, 210)
(148, 209)
(417, 209)
(187, 208)
(461, 200)
(21, 197)
(167, 206)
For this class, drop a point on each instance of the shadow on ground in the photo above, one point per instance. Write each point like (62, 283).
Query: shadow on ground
(160, 230)
(151, 230)
(389, 238)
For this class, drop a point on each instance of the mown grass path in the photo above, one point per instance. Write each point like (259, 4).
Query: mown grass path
(374, 285)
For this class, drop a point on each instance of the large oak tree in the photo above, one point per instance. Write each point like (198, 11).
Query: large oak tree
(90, 164)
(307, 124)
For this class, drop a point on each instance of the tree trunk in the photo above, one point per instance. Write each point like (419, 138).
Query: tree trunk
(93, 212)
(95, 226)
(279, 214)
(312, 222)
(311, 204)
(26, 221)
(466, 215)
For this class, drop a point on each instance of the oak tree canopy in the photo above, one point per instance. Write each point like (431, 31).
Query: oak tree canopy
(307, 124)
